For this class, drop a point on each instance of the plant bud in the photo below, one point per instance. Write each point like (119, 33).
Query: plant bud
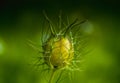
(58, 52)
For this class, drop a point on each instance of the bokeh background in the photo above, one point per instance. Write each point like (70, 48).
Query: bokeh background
(21, 20)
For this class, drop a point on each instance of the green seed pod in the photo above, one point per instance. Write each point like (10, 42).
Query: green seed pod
(59, 52)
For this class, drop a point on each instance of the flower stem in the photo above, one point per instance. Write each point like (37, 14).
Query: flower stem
(52, 76)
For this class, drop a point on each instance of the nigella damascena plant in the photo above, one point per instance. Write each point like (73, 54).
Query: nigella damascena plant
(61, 46)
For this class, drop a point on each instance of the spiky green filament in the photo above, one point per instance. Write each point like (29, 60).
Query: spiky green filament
(73, 24)
(53, 32)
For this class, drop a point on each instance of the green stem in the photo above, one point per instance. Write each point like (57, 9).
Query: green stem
(52, 76)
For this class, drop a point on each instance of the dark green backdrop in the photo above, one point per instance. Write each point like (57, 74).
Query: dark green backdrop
(21, 20)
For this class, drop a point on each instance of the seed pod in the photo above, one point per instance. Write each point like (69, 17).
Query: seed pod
(59, 52)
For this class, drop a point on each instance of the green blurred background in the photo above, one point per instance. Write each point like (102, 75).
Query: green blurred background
(21, 20)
